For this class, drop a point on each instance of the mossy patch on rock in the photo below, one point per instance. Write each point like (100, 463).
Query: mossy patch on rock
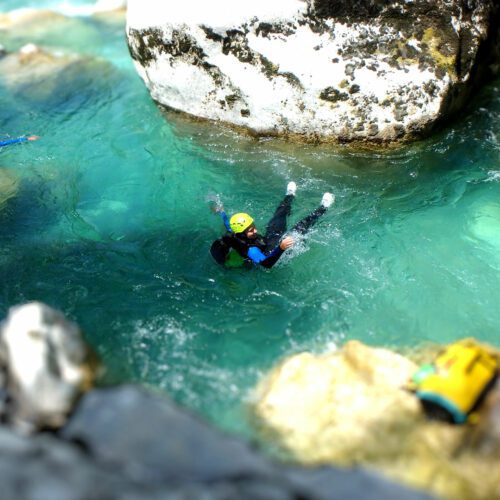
(436, 49)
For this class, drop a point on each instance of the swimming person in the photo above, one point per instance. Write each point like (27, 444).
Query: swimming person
(243, 243)
(18, 140)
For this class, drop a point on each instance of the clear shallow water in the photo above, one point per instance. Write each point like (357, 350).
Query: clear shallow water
(110, 224)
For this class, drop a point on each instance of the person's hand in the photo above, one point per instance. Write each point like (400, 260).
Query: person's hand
(33, 138)
(286, 243)
(216, 208)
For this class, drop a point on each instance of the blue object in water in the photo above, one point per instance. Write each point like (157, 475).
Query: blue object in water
(13, 141)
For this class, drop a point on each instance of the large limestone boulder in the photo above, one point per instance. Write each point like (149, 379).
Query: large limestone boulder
(351, 407)
(325, 407)
(46, 366)
(315, 69)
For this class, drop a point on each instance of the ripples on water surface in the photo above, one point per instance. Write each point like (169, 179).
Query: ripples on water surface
(110, 224)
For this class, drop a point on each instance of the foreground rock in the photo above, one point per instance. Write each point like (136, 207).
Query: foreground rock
(46, 366)
(351, 407)
(316, 69)
(125, 442)
(150, 440)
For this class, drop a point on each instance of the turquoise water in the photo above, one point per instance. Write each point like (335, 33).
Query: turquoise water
(111, 225)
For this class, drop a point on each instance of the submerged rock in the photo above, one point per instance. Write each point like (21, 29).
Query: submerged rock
(47, 366)
(9, 185)
(33, 25)
(55, 81)
(315, 69)
(351, 407)
(484, 224)
(104, 6)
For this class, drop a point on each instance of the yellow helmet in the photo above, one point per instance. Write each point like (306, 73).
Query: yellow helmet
(240, 222)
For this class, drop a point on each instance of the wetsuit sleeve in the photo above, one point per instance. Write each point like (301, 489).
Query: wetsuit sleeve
(225, 220)
(13, 141)
(257, 257)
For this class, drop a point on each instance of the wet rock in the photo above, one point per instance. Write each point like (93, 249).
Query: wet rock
(47, 366)
(275, 55)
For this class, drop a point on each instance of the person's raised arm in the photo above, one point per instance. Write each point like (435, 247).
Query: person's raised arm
(268, 261)
(18, 140)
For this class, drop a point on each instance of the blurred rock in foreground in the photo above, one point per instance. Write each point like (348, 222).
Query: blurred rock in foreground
(127, 443)
(46, 366)
(351, 407)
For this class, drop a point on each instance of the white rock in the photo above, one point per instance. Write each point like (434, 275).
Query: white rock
(29, 49)
(277, 68)
(48, 365)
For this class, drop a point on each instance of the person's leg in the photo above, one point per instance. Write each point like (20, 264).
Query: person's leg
(307, 222)
(276, 227)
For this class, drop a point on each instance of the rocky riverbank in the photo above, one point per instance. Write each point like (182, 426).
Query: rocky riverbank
(355, 409)
(62, 439)
(317, 70)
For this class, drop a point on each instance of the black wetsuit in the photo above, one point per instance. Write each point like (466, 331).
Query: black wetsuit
(263, 250)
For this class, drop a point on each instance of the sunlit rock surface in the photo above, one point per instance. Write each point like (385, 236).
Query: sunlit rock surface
(325, 406)
(351, 407)
(316, 70)
(46, 363)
